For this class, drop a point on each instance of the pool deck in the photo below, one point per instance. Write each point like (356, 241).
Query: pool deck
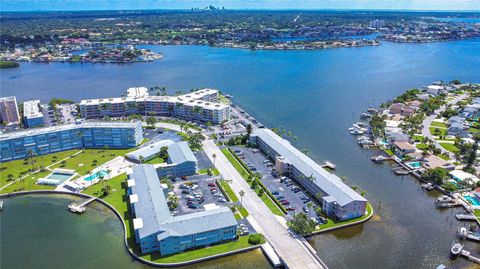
(116, 166)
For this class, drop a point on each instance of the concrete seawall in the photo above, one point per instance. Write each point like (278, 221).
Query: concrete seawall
(117, 214)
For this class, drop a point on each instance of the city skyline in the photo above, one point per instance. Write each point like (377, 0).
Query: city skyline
(57, 5)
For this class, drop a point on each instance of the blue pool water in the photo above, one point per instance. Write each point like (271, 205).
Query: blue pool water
(96, 175)
(472, 200)
(59, 176)
(414, 164)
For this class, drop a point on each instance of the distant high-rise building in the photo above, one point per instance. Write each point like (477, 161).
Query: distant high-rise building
(9, 110)
(377, 24)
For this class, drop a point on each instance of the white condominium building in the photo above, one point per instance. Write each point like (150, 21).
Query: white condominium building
(202, 106)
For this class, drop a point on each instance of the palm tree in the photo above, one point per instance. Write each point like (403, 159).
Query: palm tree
(30, 155)
(80, 136)
(214, 156)
(141, 159)
(241, 193)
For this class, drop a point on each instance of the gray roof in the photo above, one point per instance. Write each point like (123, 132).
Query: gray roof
(329, 183)
(456, 119)
(152, 205)
(150, 150)
(180, 152)
(152, 208)
(457, 125)
(397, 136)
(66, 127)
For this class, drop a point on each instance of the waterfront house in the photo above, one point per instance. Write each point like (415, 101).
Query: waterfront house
(156, 230)
(338, 200)
(397, 137)
(462, 176)
(458, 130)
(402, 148)
(40, 141)
(456, 119)
(432, 161)
(399, 108)
(415, 104)
(435, 89)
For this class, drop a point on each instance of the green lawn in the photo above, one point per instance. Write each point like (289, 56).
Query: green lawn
(438, 124)
(443, 156)
(18, 168)
(156, 160)
(332, 223)
(200, 253)
(205, 171)
(473, 130)
(232, 196)
(119, 200)
(476, 212)
(245, 173)
(418, 137)
(29, 183)
(421, 146)
(389, 152)
(449, 147)
(441, 132)
(84, 162)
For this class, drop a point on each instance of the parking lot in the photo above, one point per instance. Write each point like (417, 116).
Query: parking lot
(195, 192)
(281, 188)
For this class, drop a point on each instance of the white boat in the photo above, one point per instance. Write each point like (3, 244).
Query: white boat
(357, 132)
(1, 205)
(330, 165)
(456, 249)
(379, 158)
(462, 232)
(360, 124)
(365, 115)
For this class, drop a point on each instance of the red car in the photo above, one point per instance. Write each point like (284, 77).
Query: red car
(290, 208)
(213, 189)
(211, 184)
(285, 203)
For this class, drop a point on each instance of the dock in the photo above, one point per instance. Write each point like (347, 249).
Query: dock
(1, 205)
(468, 217)
(80, 208)
(466, 254)
(271, 255)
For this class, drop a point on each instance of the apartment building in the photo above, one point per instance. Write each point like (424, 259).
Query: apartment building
(9, 110)
(32, 116)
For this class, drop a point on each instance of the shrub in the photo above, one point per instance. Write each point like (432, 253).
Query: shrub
(255, 239)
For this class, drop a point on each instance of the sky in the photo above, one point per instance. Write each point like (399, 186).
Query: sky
(37, 5)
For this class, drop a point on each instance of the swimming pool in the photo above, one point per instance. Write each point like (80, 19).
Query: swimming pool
(414, 165)
(474, 201)
(59, 176)
(96, 175)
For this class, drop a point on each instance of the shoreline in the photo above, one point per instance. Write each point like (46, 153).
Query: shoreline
(117, 214)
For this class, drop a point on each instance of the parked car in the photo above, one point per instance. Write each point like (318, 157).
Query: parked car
(290, 208)
(266, 161)
(217, 194)
(193, 206)
(213, 189)
(222, 200)
(282, 179)
(183, 186)
(275, 193)
(211, 184)
(185, 191)
(286, 202)
(280, 197)
(184, 178)
(305, 209)
(306, 200)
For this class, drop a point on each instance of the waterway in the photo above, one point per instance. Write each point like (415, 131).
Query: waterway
(316, 95)
(38, 231)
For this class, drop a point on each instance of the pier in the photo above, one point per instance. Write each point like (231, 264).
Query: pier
(467, 217)
(466, 254)
(1, 205)
(81, 207)
(271, 255)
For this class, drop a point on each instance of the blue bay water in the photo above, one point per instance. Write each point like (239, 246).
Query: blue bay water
(317, 95)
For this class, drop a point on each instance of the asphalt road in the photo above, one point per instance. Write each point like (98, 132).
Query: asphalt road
(294, 250)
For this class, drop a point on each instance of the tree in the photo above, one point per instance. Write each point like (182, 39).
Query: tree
(214, 156)
(30, 155)
(255, 239)
(241, 193)
(249, 130)
(163, 153)
(436, 175)
(151, 121)
(302, 224)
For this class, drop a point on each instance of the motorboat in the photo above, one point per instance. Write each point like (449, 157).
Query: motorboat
(456, 249)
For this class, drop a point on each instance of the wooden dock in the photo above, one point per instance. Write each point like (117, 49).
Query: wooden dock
(81, 207)
(467, 217)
